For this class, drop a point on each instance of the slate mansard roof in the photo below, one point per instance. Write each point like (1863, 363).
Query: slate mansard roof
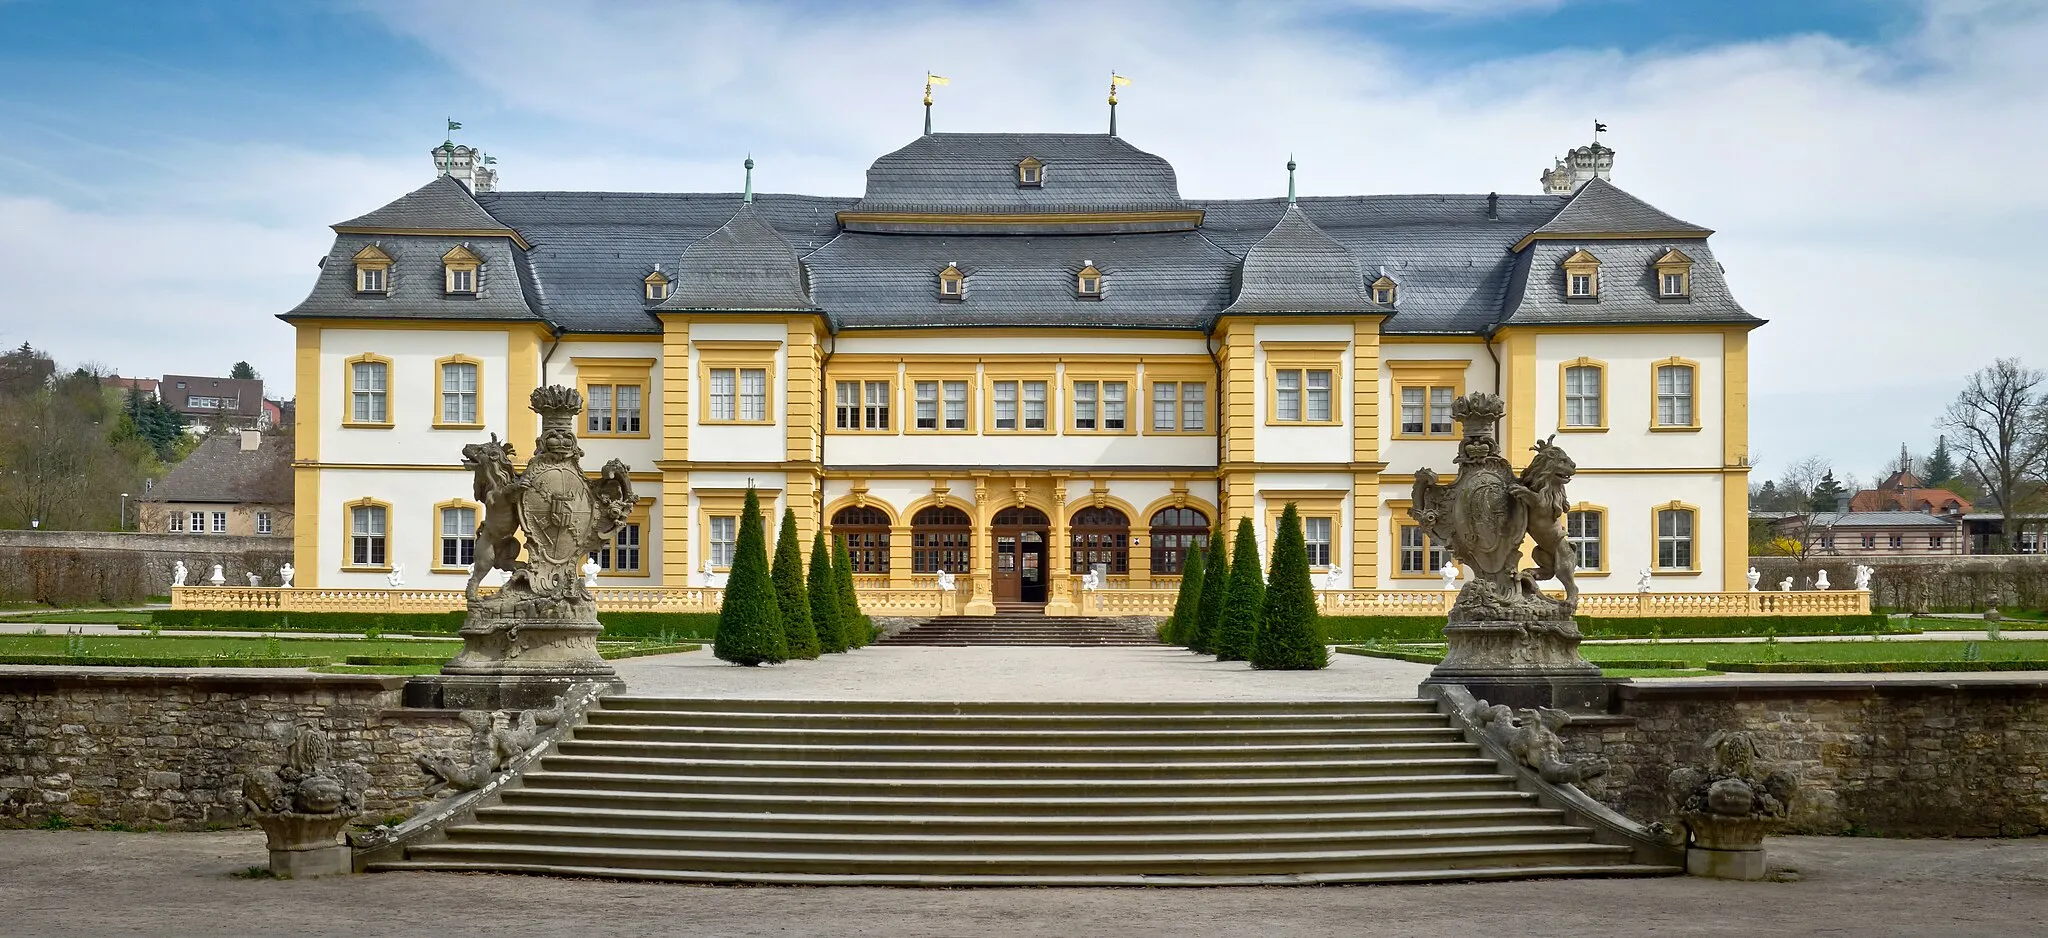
(1462, 264)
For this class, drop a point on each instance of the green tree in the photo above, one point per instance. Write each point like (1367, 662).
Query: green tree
(1827, 496)
(1290, 637)
(1244, 598)
(798, 633)
(824, 595)
(859, 631)
(750, 620)
(159, 426)
(1185, 602)
(1941, 467)
(1215, 578)
(243, 371)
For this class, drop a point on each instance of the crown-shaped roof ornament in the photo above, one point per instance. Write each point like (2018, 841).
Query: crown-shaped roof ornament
(1478, 409)
(557, 406)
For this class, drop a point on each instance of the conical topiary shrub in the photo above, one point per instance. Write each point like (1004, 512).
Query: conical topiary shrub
(798, 636)
(856, 626)
(1208, 612)
(1172, 632)
(1290, 637)
(824, 596)
(1243, 598)
(750, 620)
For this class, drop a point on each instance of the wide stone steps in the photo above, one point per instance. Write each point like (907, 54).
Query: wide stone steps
(918, 793)
(1020, 628)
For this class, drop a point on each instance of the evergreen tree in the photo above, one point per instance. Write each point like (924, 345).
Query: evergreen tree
(1243, 598)
(797, 630)
(1173, 633)
(1941, 468)
(750, 620)
(1290, 637)
(824, 596)
(1827, 496)
(156, 424)
(1208, 612)
(243, 371)
(856, 626)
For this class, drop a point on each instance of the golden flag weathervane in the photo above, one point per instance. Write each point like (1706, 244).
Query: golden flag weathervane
(1115, 81)
(930, 80)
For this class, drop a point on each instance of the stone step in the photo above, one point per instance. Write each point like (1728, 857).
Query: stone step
(1006, 824)
(1467, 873)
(997, 723)
(941, 788)
(1135, 710)
(1129, 806)
(741, 751)
(823, 766)
(1388, 729)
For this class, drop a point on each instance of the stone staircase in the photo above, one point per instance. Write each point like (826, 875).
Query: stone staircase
(1026, 626)
(914, 793)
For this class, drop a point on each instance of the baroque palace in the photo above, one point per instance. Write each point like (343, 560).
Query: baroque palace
(1022, 358)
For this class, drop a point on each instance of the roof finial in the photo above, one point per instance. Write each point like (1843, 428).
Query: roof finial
(1290, 179)
(930, 80)
(1114, 81)
(749, 196)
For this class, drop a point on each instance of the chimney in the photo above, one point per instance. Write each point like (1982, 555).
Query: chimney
(251, 440)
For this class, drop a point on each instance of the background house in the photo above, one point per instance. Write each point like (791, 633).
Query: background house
(233, 483)
(206, 402)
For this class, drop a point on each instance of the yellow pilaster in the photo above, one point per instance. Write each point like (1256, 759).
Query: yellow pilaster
(1059, 557)
(675, 527)
(899, 553)
(1141, 554)
(522, 376)
(306, 429)
(1734, 460)
(1519, 358)
(1240, 396)
(1364, 562)
(800, 413)
(1365, 391)
(675, 388)
(982, 602)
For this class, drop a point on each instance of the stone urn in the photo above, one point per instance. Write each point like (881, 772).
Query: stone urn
(302, 807)
(1727, 807)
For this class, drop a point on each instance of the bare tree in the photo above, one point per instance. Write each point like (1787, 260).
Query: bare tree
(1802, 531)
(2000, 426)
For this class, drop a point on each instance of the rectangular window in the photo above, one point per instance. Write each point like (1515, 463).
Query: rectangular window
(1412, 410)
(461, 280)
(925, 401)
(458, 537)
(599, 409)
(1933, 542)
(368, 391)
(754, 394)
(263, 525)
(370, 279)
(1165, 406)
(1440, 410)
(366, 536)
(1582, 531)
(1869, 542)
(956, 404)
(724, 394)
(1113, 405)
(1582, 396)
(612, 409)
(724, 535)
(176, 523)
(1674, 539)
(1317, 532)
(1426, 411)
(1287, 395)
(1318, 396)
(1898, 541)
(198, 522)
(220, 522)
(1194, 406)
(1084, 405)
(1034, 405)
(626, 407)
(1582, 284)
(875, 416)
(1005, 395)
(1674, 284)
(1420, 555)
(620, 553)
(846, 405)
(1674, 396)
(458, 392)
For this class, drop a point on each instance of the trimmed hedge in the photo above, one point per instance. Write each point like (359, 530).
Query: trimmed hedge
(1350, 629)
(696, 626)
(172, 661)
(1882, 667)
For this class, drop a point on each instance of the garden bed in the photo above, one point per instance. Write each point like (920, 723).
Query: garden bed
(380, 656)
(1776, 657)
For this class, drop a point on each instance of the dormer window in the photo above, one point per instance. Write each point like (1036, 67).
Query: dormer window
(1383, 291)
(1581, 276)
(460, 266)
(1030, 173)
(373, 270)
(1088, 283)
(952, 283)
(656, 287)
(1674, 274)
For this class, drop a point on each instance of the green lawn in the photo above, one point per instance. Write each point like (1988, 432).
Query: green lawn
(1903, 650)
(1657, 672)
(82, 618)
(182, 646)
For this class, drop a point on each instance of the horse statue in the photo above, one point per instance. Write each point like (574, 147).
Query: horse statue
(1541, 490)
(497, 529)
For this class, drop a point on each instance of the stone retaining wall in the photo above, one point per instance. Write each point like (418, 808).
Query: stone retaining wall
(69, 567)
(101, 747)
(1951, 583)
(1905, 758)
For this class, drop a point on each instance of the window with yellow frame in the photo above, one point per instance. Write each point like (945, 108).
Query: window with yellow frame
(458, 393)
(628, 552)
(1099, 401)
(1582, 396)
(718, 520)
(615, 395)
(454, 526)
(1304, 383)
(1674, 395)
(738, 382)
(366, 524)
(1581, 276)
(863, 395)
(373, 270)
(1675, 527)
(368, 378)
(1322, 523)
(1018, 397)
(941, 398)
(1674, 275)
(461, 268)
(1585, 529)
(1423, 391)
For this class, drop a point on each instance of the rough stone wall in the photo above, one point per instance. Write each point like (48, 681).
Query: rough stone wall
(40, 566)
(1899, 759)
(1961, 583)
(170, 749)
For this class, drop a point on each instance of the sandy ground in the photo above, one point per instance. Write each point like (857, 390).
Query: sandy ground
(93, 883)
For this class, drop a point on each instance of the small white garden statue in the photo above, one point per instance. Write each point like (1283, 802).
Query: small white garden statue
(1822, 582)
(946, 580)
(285, 574)
(1333, 578)
(590, 571)
(255, 579)
(1096, 578)
(1643, 580)
(1785, 585)
(218, 578)
(1753, 577)
(179, 573)
(1450, 575)
(397, 576)
(1863, 573)
(712, 578)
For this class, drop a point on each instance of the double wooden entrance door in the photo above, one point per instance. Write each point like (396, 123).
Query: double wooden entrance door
(1020, 541)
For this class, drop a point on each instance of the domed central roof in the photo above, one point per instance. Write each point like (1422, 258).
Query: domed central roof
(976, 175)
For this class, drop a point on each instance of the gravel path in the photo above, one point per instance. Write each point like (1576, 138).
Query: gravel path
(90, 883)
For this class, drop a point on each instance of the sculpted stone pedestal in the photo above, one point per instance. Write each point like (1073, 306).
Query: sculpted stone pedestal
(1524, 665)
(304, 846)
(516, 662)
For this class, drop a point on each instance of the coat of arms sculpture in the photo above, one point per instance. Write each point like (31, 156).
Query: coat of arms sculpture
(1503, 625)
(540, 628)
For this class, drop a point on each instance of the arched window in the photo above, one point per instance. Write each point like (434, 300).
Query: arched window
(941, 538)
(866, 531)
(1175, 532)
(1101, 535)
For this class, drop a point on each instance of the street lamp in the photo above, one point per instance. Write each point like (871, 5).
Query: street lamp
(123, 524)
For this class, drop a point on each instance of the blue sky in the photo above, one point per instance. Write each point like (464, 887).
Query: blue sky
(1871, 166)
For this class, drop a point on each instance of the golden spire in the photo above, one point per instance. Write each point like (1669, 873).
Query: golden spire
(930, 80)
(1115, 80)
